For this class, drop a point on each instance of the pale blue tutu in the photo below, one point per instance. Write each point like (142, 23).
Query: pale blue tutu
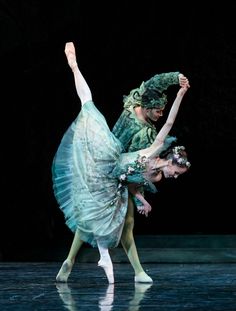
(88, 193)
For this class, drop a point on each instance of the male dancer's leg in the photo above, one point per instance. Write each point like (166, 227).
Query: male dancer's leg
(128, 243)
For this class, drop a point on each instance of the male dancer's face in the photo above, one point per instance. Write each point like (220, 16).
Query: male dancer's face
(154, 114)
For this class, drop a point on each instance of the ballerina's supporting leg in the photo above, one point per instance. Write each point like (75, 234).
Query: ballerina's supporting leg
(106, 263)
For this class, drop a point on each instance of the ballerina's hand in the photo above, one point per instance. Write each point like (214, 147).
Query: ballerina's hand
(144, 209)
(183, 81)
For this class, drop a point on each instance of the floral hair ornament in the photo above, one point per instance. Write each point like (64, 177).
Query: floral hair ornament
(179, 157)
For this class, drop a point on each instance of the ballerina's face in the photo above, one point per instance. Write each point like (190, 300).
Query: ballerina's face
(173, 171)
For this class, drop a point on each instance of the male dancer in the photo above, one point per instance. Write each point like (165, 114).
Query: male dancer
(136, 130)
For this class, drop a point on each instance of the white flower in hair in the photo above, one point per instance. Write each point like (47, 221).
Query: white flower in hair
(180, 159)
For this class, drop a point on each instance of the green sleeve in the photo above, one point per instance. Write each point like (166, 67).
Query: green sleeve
(162, 81)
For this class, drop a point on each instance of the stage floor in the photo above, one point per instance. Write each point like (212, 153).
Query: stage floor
(31, 286)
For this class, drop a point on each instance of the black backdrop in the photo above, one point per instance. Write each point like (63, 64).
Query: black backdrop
(119, 44)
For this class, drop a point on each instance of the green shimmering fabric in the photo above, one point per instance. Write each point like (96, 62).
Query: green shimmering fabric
(133, 133)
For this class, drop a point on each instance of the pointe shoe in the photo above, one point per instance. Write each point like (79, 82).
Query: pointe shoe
(65, 271)
(108, 268)
(70, 54)
(142, 277)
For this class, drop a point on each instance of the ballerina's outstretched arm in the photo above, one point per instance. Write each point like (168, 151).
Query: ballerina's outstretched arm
(81, 85)
(154, 149)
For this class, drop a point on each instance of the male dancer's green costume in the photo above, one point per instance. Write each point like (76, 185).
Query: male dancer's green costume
(133, 133)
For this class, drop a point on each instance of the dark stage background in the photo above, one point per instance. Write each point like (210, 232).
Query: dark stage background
(119, 44)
